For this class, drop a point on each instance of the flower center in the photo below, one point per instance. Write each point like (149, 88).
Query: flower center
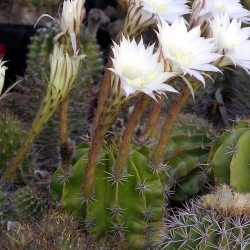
(133, 75)
(222, 8)
(181, 58)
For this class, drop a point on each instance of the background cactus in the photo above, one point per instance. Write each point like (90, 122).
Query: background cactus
(221, 101)
(12, 133)
(127, 211)
(29, 203)
(230, 159)
(187, 150)
(55, 231)
(216, 221)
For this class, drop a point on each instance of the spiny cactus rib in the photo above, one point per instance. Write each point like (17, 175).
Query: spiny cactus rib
(28, 203)
(127, 210)
(230, 157)
(186, 156)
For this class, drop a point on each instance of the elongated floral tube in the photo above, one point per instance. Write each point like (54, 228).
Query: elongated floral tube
(64, 70)
(119, 168)
(152, 120)
(132, 73)
(158, 153)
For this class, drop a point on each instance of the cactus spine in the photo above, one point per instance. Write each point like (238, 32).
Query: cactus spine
(216, 221)
(127, 210)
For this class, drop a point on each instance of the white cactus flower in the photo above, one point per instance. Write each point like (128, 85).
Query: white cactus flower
(2, 74)
(137, 69)
(166, 9)
(143, 13)
(231, 40)
(233, 8)
(187, 51)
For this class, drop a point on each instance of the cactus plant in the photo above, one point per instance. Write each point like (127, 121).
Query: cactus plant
(216, 221)
(230, 159)
(12, 133)
(29, 203)
(187, 149)
(184, 177)
(128, 209)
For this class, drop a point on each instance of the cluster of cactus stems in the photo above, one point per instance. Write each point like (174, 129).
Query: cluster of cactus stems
(118, 188)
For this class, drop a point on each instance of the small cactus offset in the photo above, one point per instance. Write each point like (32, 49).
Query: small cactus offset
(220, 220)
(230, 158)
(127, 210)
(29, 203)
(187, 149)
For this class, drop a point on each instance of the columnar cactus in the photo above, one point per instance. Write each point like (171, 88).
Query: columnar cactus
(230, 158)
(216, 221)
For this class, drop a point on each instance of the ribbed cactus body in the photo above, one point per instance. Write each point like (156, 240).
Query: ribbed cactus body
(127, 211)
(216, 221)
(230, 157)
(29, 204)
(12, 134)
(186, 151)
(94, 62)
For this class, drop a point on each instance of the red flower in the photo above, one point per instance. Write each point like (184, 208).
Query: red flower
(2, 51)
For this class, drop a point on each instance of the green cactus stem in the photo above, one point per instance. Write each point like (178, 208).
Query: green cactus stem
(119, 168)
(230, 158)
(126, 211)
(157, 155)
